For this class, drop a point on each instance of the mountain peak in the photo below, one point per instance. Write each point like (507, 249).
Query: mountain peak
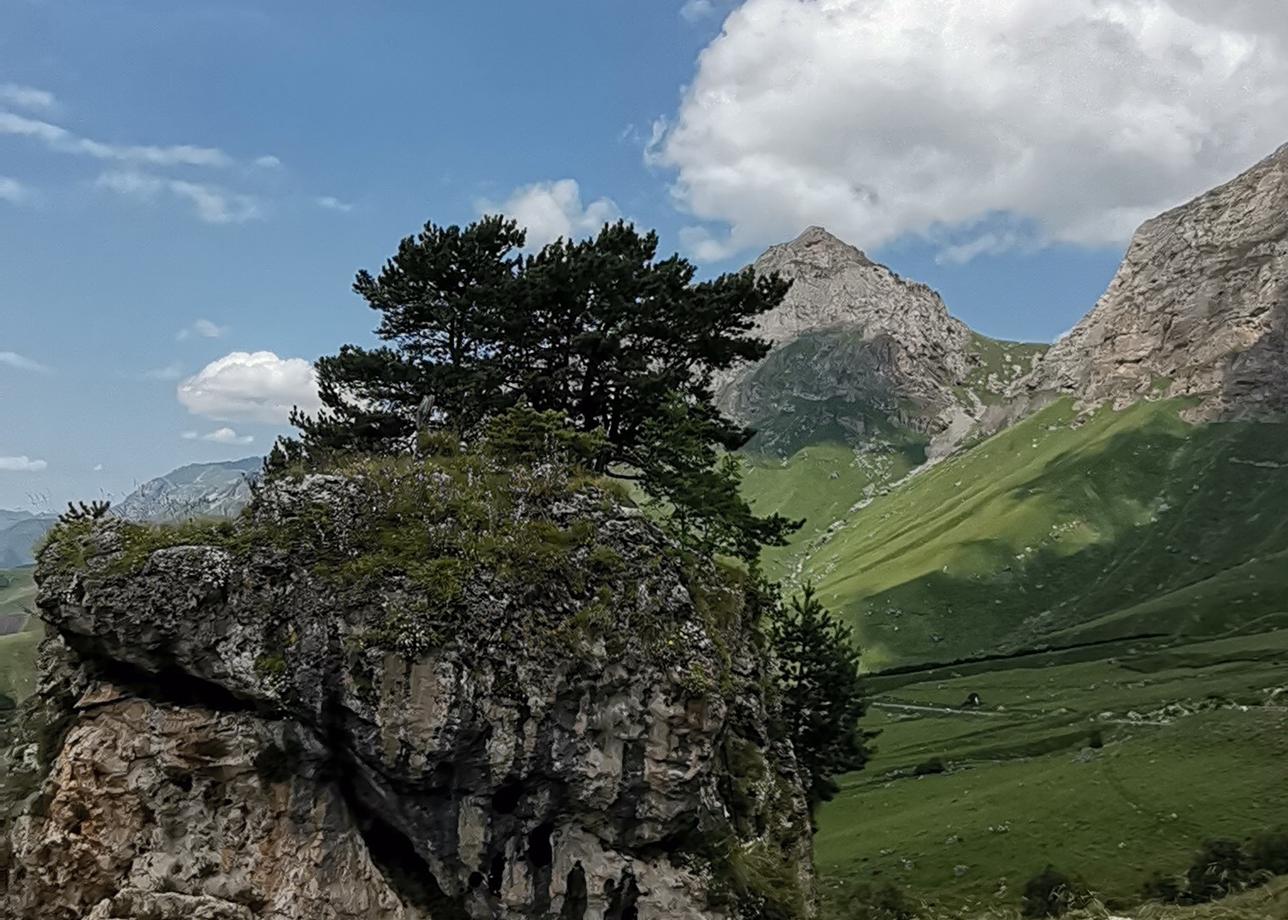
(816, 244)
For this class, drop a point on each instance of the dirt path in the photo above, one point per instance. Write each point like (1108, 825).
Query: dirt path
(940, 710)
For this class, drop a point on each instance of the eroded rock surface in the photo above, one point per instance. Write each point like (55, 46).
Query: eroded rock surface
(1198, 308)
(859, 354)
(234, 729)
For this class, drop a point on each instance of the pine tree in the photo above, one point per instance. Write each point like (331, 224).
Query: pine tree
(600, 330)
(822, 693)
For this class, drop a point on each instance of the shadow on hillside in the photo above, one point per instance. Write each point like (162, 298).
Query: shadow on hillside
(1170, 507)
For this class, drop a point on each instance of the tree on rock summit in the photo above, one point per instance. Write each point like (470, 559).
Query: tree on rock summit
(620, 342)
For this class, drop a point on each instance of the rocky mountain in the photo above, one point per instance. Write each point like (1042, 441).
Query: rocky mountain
(861, 354)
(1198, 309)
(286, 718)
(20, 531)
(198, 490)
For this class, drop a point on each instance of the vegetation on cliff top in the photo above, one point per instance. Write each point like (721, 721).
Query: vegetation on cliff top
(622, 344)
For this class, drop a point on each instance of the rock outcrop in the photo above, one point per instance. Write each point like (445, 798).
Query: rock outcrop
(403, 692)
(1198, 309)
(859, 353)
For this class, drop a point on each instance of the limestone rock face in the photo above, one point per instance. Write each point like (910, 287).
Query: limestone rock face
(166, 811)
(856, 350)
(230, 731)
(834, 285)
(1198, 308)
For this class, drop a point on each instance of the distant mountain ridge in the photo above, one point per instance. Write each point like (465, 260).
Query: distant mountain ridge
(19, 532)
(198, 490)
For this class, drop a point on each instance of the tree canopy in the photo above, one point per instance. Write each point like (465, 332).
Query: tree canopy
(601, 330)
(822, 694)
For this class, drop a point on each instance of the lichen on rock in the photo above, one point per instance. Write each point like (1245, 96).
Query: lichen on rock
(405, 688)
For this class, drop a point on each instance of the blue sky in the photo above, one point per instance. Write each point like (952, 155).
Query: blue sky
(186, 185)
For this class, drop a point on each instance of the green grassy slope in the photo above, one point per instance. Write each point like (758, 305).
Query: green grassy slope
(1059, 530)
(17, 598)
(1195, 743)
(19, 634)
(819, 485)
(995, 364)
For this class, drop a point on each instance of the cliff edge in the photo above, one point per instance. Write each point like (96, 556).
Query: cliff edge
(401, 690)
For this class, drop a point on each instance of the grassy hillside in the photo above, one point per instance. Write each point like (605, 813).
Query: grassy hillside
(19, 634)
(820, 485)
(1194, 738)
(1062, 529)
(995, 364)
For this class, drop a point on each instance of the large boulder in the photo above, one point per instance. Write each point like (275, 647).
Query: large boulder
(406, 690)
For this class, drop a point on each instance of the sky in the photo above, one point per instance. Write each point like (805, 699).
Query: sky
(187, 188)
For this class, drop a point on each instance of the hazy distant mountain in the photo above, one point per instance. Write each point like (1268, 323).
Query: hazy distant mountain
(197, 490)
(20, 531)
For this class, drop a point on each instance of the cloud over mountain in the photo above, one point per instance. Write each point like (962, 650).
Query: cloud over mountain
(881, 118)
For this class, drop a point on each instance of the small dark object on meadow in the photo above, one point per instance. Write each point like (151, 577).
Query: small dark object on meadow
(972, 702)
(929, 767)
(1051, 893)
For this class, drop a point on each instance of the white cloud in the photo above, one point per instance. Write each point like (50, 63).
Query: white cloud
(268, 162)
(256, 386)
(203, 328)
(60, 139)
(21, 362)
(550, 210)
(883, 118)
(992, 242)
(210, 203)
(23, 464)
(219, 436)
(331, 203)
(98, 467)
(27, 97)
(693, 10)
(13, 191)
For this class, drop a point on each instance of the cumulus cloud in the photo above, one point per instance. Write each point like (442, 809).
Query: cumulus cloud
(331, 203)
(219, 436)
(884, 118)
(60, 139)
(255, 386)
(23, 464)
(209, 203)
(550, 210)
(13, 191)
(21, 362)
(27, 97)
